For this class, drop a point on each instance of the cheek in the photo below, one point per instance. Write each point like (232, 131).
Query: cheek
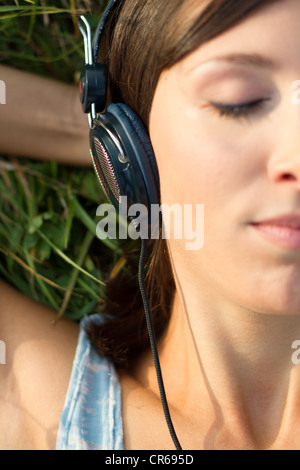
(200, 162)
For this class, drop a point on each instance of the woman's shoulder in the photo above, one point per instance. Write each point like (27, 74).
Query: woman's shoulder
(39, 354)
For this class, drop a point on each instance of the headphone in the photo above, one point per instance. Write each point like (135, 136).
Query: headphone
(120, 146)
(123, 159)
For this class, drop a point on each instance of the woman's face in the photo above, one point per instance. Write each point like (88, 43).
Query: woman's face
(225, 127)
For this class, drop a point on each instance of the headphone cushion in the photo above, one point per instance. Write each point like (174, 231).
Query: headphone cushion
(135, 126)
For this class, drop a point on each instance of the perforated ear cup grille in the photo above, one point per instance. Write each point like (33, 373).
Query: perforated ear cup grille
(107, 169)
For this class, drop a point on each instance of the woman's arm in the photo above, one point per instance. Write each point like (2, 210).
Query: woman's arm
(35, 377)
(42, 119)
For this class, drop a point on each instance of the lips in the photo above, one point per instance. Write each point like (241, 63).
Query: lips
(283, 231)
(289, 220)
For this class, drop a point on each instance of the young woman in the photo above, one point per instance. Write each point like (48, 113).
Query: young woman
(213, 83)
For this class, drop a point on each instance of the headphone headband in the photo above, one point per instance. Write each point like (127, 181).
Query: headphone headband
(93, 80)
(100, 28)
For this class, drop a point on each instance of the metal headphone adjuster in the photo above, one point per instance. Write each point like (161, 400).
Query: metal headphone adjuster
(93, 80)
(100, 121)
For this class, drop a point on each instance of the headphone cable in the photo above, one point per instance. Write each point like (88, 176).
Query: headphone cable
(141, 279)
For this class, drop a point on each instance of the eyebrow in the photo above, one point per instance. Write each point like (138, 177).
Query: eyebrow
(247, 59)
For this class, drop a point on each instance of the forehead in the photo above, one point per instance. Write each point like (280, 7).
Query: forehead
(271, 30)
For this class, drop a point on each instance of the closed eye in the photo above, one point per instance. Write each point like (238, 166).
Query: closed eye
(237, 111)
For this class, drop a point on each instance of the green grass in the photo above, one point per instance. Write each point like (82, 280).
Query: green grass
(43, 37)
(48, 248)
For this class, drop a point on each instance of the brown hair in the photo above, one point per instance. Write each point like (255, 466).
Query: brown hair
(143, 38)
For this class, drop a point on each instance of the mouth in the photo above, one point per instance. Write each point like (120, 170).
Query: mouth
(284, 231)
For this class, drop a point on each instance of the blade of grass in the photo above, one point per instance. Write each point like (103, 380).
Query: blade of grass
(7, 252)
(87, 288)
(75, 273)
(69, 222)
(41, 283)
(91, 225)
(31, 24)
(30, 9)
(67, 259)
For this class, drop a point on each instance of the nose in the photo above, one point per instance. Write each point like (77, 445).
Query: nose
(286, 171)
(284, 164)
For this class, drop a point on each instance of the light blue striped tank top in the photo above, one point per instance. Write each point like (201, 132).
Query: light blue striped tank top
(92, 415)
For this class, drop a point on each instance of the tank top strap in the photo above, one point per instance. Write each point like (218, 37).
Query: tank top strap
(92, 415)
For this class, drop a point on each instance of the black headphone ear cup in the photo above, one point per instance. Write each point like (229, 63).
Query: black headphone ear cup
(142, 135)
(130, 128)
(123, 157)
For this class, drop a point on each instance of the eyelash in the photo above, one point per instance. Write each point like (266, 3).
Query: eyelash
(237, 111)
